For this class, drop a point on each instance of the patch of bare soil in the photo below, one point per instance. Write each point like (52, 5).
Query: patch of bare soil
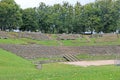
(91, 63)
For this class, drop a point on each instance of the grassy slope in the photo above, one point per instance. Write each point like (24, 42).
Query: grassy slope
(92, 42)
(78, 42)
(111, 39)
(106, 39)
(29, 41)
(13, 67)
(12, 41)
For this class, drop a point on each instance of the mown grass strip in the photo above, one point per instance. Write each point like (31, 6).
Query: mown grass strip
(13, 67)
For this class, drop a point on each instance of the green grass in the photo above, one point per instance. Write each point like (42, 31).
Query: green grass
(29, 41)
(48, 59)
(79, 42)
(12, 41)
(48, 42)
(117, 42)
(13, 67)
(41, 42)
(84, 42)
(68, 72)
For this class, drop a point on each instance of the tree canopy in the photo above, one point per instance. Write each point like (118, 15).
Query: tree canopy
(10, 15)
(102, 15)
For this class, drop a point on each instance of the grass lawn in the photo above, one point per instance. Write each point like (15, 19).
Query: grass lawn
(13, 67)
(48, 42)
(29, 41)
(40, 42)
(77, 42)
(91, 42)
(68, 72)
(12, 41)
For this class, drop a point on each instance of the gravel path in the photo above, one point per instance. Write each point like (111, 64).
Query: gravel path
(91, 63)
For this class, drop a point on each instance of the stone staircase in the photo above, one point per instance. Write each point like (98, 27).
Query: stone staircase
(70, 57)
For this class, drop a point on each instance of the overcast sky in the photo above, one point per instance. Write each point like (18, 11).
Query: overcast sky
(34, 3)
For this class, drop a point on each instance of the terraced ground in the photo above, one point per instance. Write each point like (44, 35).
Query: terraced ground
(38, 51)
(84, 47)
(19, 52)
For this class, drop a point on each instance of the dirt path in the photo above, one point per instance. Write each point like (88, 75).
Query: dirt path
(92, 63)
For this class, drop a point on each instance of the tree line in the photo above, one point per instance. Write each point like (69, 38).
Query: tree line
(100, 16)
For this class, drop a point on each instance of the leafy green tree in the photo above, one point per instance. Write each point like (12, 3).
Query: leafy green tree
(78, 18)
(92, 17)
(43, 12)
(108, 15)
(10, 16)
(54, 18)
(66, 18)
(30, 20)
(102, 15)
(117, 8)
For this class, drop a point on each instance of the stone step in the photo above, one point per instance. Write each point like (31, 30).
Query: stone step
(70, 57)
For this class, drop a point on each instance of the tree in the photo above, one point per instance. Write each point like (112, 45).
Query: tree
(10, 16)
(30, 20)
(43, 12)
(107, 15)
(117, 8)
(66, 18)
(102, 15)
(79, 18)
(92, 17)
(54, 18)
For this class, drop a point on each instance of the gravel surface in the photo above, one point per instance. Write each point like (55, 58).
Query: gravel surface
(91, 63)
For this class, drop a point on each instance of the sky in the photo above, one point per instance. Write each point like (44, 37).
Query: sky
(35, 3)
